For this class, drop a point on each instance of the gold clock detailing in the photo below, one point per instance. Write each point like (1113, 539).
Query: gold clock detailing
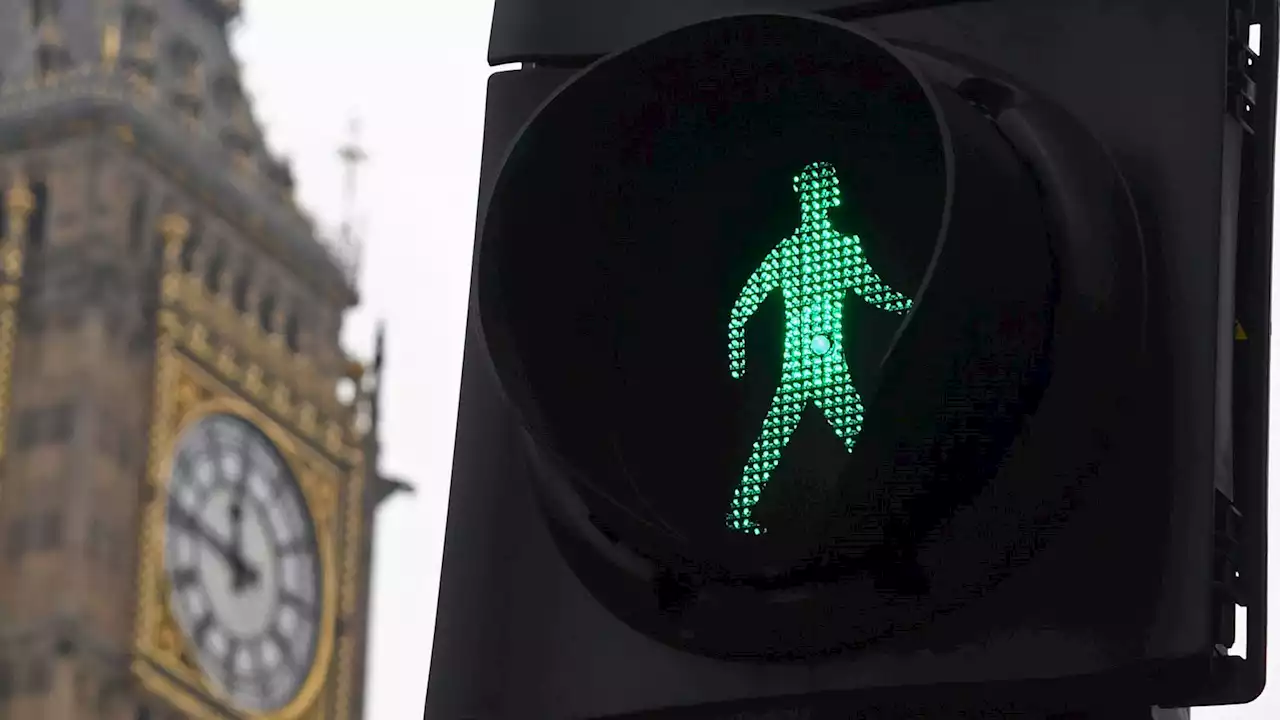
(110, 46)
(345, 679)
(250, 382)
(192, 394)
(258, 363)
(20, 202)
(151, 621)
(253, 380)
(226, 362)
(355, 512)
(174, 228)
(199, 339)
(354, 506)
(280, 401)
(276, 336)
(223, 297)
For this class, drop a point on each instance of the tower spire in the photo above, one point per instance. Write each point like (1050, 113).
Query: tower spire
(353, 156)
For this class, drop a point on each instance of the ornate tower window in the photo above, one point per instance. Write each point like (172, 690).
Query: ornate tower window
(267, 313)
(138, 51)
(139, 24)
(240, 293)
(50, 61)
(237, 134)
(42, 10)
(291, 332)
(138, 217)
(37, 224)
(213, 273)
(189, 248)
(51, 53)
(188, 97)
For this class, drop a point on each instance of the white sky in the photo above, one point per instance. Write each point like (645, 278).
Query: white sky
(415, 72)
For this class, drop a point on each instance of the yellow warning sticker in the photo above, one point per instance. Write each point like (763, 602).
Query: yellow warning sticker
(1240, 332)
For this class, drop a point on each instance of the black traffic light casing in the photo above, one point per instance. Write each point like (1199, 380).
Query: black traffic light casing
(1132, 602)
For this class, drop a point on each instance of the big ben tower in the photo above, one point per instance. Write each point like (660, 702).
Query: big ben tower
(185, 501)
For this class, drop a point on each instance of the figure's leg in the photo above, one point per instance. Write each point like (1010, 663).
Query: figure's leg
(779, 424)
(841, 404)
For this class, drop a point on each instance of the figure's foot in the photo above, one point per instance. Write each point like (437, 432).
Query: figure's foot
(741, 521)
(739, 517)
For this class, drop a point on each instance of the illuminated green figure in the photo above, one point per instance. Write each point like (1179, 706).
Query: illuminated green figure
(814, 268)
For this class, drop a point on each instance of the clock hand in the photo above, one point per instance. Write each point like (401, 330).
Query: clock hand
(236, 546)
(239, 568)
(236, 510)
(245, 576)
(231, 553)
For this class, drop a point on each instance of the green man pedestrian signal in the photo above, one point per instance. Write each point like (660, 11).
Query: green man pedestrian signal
(812, 268)
(758, 316)
(871, 348)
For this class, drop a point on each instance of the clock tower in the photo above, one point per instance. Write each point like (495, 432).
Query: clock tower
(187, 490)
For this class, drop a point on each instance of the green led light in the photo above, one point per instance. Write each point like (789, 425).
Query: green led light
(814, 268)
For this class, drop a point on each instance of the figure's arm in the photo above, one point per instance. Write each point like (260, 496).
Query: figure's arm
(758, 287)
(868, 285)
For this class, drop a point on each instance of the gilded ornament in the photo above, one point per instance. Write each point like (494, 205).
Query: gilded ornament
(188, 394)
(175, 228)
(110, 45)
(170, 287)
(199, 338)
(253, 379)
(21, 202)
(170, 323)
(280, 398)
(13, 262)
(318, 480)
(227, 362)
(333, 437)
(193, 289)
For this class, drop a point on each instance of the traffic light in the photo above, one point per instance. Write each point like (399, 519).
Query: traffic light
(843, 359)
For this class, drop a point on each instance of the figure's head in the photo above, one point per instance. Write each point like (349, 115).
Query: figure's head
(818, 187)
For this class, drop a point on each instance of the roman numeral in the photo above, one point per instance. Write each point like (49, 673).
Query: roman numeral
(180, 518)
(184, 577)
(229, 662)
(284, 644)
(182, 468)
(217, 455)
(201, 632)
(302, 605)
(297, 546)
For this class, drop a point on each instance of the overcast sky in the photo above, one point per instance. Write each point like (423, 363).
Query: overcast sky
(414, 71)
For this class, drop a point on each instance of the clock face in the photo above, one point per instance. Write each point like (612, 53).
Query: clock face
(243, 563)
